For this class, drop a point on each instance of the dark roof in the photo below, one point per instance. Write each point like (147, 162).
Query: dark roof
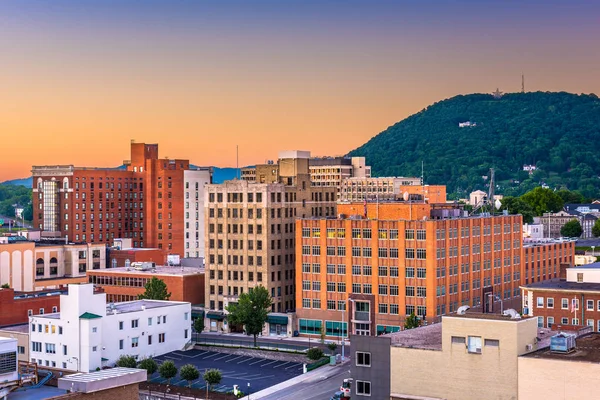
(558, 284)
(587, 349)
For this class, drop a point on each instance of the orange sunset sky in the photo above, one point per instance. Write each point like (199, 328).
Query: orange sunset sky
(80, 79)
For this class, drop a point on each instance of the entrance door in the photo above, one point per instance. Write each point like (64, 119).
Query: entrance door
(278, 329)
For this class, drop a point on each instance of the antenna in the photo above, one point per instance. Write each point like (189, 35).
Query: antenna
(522, 83)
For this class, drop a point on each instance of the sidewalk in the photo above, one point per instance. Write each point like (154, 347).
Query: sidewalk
(282, 338)
(323, 373)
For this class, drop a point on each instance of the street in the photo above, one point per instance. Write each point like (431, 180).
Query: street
(589, 242)
(318, 388)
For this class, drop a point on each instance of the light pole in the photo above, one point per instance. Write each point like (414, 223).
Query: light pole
(593, 251)
(248, 390)
(342, 332)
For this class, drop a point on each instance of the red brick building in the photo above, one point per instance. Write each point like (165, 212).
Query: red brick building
(126, 284)
(119, 258)
(143, 202)
(15, 308)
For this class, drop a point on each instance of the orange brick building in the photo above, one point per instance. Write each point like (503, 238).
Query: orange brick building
(126, 284)
(421, 258)
(119, 258)
(143, 202)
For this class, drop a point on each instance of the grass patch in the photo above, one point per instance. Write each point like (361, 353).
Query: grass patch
(252, 348)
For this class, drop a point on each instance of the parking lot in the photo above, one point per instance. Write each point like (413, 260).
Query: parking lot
(236, 369)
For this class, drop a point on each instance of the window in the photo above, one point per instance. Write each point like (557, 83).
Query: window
(474, 344)
(458, 340)
(120, 325)
(95, 348)
(310, 326)
(550, 302)
(564, 304)
(540, 322)
(94, 330)
(590, 305)
(410, 272)
(491, 343)
(550, 322)
(540, 302)
(363, 359)
(363, 388)
(134, 323)
(121, 344)
(135, 341)
(150, 321)
(161, 338)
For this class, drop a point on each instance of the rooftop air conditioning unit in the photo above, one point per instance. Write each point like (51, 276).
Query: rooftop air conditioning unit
(529, 347)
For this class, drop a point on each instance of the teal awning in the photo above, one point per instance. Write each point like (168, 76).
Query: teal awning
(276, 319)
(89, 315)
(215, 315)
(197, 314)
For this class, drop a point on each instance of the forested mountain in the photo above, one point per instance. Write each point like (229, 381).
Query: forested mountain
(558, 133)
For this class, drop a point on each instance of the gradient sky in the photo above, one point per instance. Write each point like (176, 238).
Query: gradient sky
(79, 79)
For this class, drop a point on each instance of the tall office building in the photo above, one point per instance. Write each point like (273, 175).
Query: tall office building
(195, 179)
(251, 231)
(143, 200)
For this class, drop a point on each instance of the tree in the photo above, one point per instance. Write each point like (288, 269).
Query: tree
(156, 289)
(411, 321)
(515, 205)
(571, 229)
(189, 373)
(211, 377)
(332, 346)
(571, 197)
(543, 200)
(126, 361)
(167, 370)
(149, 365)
(199, 324)
(28, 212)
(251, 310)
(314, 353)
(596, 228)
(5, 286)
(322, 335)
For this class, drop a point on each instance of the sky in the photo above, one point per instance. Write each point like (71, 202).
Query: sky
(80, 79)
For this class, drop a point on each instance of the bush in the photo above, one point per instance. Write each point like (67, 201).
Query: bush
(167, 370)
(314, 353)
(332, 346)
(149, 365)
(189, 373)
(126, 362)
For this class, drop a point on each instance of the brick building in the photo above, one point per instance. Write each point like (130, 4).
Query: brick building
(571, 299)
(373, 272)
(143, 201)
(17, 307)
(126, 284)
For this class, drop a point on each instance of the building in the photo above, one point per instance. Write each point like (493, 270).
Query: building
(533, 231)
(144, 201)
(17, 307)
(114, 383)
(371, 272)
(89, 333)
(572, 299)
(21, 334)
(467, 356)
(8, 362)
(30, 266)
(126, 284)
(195, 179)
(389, 188)
(561, 372)
(250, 235)
(553, 222)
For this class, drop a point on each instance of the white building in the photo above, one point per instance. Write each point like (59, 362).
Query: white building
(9, 374)
(194, 181)
(533, 231)
(88, 333)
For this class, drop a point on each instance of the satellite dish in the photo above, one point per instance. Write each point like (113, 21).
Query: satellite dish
(497, 204)
(405, 196)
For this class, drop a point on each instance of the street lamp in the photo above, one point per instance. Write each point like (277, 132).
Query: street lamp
(248, 390)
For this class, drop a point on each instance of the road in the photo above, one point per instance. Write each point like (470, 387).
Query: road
(318, 388)
(589, 242)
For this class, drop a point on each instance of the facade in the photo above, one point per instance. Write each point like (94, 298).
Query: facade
(21, 334)
(17, 307)
(9, 373)
(389, 188)
(126, 284)
(28, 266)
(371, 273)
(115, 383)
(250, 235)
(553, 222)
(195, 180)
(90, 333)
(573, 299)
(533, 231)
(143, 201)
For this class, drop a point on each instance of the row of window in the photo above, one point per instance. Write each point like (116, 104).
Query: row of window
(566, 304)
(365, 233)
(565, 321)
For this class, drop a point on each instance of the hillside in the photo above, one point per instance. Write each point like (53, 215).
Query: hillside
(559, 133)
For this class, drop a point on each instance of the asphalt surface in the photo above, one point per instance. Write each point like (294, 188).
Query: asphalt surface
(290, 344)
(318, 388)
(589, 242)
(261, 373)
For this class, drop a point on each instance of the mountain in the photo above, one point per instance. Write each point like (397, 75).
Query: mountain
(219, 175)
(558, 133)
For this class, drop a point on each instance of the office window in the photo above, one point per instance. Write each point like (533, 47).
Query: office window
(135, 341)
(474, 344)
(363, 388)
(363, 359)
(134, 323)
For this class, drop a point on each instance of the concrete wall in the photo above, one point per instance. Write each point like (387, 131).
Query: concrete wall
(379, 371)
(557, 379)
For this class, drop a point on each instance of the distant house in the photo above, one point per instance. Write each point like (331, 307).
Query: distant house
(529, 168)
(467, 124)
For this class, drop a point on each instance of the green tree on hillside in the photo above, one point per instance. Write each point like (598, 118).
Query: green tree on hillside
(543, 200)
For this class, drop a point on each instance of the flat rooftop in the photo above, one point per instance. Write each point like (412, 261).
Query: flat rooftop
(125, 307)
(489, 316)
(102, 380)
(158, 271)
(587, 350)
(563, 285)
(22, 328)
(427, 337)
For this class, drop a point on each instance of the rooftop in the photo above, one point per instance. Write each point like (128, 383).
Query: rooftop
(427, 337)
(587, 349)
(102, 380)
(562, 285)
(22, 328)
(490, 316)
(158, 271)
(139, 305)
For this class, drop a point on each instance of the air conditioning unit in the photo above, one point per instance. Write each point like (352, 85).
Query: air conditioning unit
(529, 347)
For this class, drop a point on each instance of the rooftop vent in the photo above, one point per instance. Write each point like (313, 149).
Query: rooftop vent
(462, 310)
(512, 313)
(562, 343)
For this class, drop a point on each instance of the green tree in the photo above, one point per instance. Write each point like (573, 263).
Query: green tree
(568, 196)
(149, 365)
(156, 289)
(199, 324)
(5, 286)
(189, 373)
(322, 335)
(596, 228)
(28, 212)
(332, 346)
(543, 200)
(251, 310)
(167, 370)
(314, 353)
(515, 205)
(411, 321)
(212, 377)
(571, 229)
(126, 361)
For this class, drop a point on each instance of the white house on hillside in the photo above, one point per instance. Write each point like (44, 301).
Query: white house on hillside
(88, 333)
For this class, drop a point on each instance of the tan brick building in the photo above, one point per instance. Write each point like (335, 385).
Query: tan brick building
(250, 235)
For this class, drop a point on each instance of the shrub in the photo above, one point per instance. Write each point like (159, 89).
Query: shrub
(314, 353)
(126, 361)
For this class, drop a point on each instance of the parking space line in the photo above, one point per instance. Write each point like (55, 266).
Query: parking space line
(256, 362)
(293, 365)
(277, 366)
(212, 355)
(243, 361)
(233, 359)
(225, 356)
(173, 358)
(274, 361)
(197, 355)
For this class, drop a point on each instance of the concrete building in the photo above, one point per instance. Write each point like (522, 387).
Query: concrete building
(29, 266)
(115, 383)
(571, 299)
(371, 272)
(250, 236)
(195, 180)
(143, 201)
(21, 334)
(126, 284)
(553, 222)
(389, 188)
(9, 374)
(90, 333)
(533, 231)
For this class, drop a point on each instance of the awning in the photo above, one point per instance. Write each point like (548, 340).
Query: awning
(197, 314)
(276, 319)
(215, 315)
